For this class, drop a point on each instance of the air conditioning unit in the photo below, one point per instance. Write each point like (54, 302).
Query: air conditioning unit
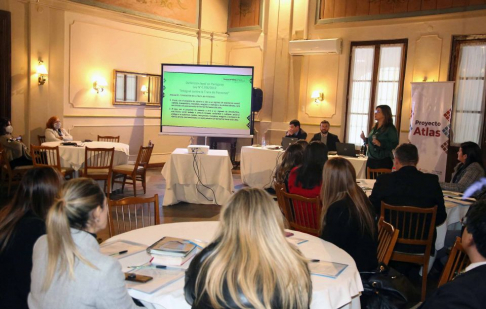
(315, 47)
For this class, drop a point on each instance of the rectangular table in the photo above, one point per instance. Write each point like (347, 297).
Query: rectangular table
(215, 181)
(258, 165)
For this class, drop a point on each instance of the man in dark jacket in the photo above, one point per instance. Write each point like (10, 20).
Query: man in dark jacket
(467, 290)
(325, 137)
(409, 187)
(295, 130)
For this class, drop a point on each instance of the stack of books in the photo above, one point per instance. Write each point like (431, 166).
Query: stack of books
(172, 251)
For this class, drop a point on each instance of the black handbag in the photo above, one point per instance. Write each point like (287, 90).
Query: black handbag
(386, 288)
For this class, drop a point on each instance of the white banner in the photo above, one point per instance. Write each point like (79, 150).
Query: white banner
(430, 124)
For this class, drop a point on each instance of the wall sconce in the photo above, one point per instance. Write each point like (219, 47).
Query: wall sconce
(99, 85)
(144, 89)
(42, 72)
(317, 96)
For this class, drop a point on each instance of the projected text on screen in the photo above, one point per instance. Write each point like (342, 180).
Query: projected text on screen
(202, 101)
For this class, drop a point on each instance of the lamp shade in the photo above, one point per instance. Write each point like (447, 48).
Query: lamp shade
(41, 69)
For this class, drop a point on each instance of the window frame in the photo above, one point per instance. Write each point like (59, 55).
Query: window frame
(374, 80)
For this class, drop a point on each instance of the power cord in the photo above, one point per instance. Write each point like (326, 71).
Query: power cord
(197, 171)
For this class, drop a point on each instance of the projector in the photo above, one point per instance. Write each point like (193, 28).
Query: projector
(197, 149)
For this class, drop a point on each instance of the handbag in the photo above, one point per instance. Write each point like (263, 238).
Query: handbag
(386, 288)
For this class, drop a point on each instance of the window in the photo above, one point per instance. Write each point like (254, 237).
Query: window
(468, 67)
(127, 90)
(376, 76)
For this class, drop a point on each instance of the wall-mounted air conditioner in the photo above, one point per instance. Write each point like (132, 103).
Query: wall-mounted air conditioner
(315, 47)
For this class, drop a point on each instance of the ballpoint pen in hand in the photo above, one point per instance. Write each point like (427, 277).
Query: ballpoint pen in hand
(119, 253)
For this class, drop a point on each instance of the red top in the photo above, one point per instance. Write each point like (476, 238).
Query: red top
(311, 193)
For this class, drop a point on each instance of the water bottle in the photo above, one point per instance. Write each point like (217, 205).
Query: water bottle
(263, 141)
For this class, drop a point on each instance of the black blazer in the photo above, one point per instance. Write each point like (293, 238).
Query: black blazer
(409, 187)
(466, 291)
(331, 140)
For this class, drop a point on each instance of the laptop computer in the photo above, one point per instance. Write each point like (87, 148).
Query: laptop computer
(287, 141)
(346, 149)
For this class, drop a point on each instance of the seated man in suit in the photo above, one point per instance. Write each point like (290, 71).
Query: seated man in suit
(295, 130)
(468, 289)
(325, 137)
(409, 187)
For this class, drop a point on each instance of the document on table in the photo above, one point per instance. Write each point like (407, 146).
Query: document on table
(113, 249)
(161, 278)
(327, 269)
(296, 241)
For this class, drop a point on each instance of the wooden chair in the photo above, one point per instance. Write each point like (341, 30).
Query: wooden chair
(111, 139)
(373, 173)
(302, 213)
(9, 175)
(387, 238)
(416, 227)
(457, 262)
(49, 156)
(42, 139)
(279, 187)
(98, 165)
(135, 171)
(132, 213)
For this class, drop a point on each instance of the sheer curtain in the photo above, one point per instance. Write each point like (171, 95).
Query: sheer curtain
(469, 93)
(131, 88)
(360, 92)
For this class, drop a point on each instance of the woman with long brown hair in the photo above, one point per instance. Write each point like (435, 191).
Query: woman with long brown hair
(381, 141)
(21, 224)
(250, 264)
(347, 217)
(292, 157)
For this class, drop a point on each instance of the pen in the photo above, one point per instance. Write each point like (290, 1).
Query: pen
(119, 253)
(315, 261)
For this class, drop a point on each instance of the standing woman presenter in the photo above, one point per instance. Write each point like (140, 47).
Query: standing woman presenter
(382, 139)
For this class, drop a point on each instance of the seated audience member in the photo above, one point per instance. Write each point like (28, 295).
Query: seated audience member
(409, 187)
(306, 179)
(347, 217)
(295, 130)
(467, 290)
(325, 137)
(292, 157)
(242, 269)
(21, 224)
(69, 270)
(469, 169)
(302, 142)
(17, 152)
(54, 132)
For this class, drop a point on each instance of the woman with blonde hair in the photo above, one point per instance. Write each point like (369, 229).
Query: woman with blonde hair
(250, 264)
(69, 270)
(347, 217)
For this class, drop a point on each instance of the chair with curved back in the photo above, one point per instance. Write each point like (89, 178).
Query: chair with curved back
(41, 139)
(416, 228)
(111, 139)
(9, 175)
(387, 238)
(132, 213)
(280, 199)
(49, 156)
(373, 173)
(457, 262)
(135, 171)
(98, 165)
(302, 213)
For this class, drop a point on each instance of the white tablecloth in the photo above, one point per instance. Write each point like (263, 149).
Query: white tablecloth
(72, 156)
(455, 212)
(258, 166)
(342, 292)
(359, 164)
(182, 181)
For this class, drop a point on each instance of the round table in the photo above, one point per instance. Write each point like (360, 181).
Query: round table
(73, 156)
(341, 292)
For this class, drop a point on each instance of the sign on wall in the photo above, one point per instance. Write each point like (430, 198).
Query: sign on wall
(430, 125)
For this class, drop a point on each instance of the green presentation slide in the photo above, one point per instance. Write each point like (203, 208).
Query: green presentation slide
(206, 100)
